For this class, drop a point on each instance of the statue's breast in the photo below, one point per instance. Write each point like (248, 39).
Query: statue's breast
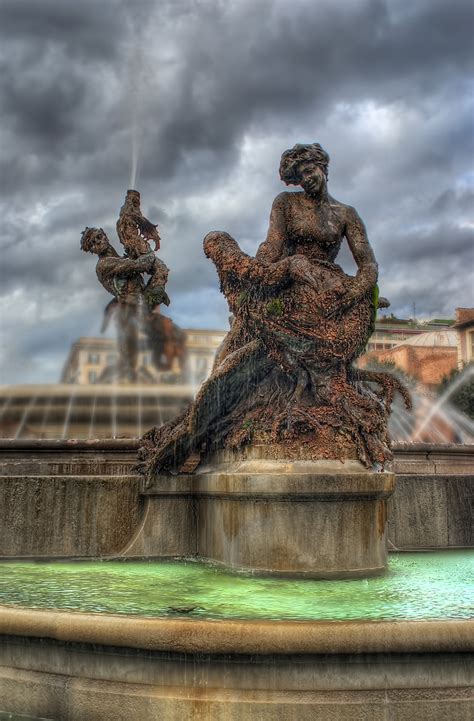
(313, 232)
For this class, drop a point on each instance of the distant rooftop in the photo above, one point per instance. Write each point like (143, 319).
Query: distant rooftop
(464, 316)
(432, 339)
(440, 321)
(413, 323)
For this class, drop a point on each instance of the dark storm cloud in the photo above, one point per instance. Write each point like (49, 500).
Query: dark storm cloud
(213, 91)
(438, 245)
(88, 29)
(452, 201)
(308, 59)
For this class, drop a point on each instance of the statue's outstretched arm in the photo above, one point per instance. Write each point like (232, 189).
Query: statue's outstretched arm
(361, 250)
(237, 268)
(125, 267)
(274, 247)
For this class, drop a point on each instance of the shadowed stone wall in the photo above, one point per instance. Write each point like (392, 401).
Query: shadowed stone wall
(82, 499)
(67, 516)
(64, 498)
(431, 511)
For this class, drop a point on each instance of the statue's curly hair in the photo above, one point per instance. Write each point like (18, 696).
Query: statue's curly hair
(87, 238)
(291, 159)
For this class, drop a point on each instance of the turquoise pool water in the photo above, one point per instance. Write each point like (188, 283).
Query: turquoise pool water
(416, 586)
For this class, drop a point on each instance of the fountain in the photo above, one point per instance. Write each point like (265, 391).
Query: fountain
(244, 574)
(288, 430)
(135, 304)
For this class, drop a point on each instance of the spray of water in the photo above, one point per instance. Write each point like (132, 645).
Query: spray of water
(135, 147)
(44, 420)
(438, 407)
(140, 413)
(92, 418)
(67, 419)
(5, 406)
(139, 84)
(24, 418)
(114, 411)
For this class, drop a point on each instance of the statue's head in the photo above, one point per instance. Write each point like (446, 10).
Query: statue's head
(302, 161)
(94, 240)
(132, 201)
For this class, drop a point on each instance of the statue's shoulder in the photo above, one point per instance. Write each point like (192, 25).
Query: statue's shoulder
(346, 212)
(282, 199)
(286, 200)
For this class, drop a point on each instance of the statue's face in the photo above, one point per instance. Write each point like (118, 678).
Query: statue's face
(100, 242)
(133, 199)
(312, 176)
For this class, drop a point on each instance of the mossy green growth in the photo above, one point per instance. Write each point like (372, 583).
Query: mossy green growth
(375, 299)
(156, 296)
(247, 424)
(243, 297)
(275, 307)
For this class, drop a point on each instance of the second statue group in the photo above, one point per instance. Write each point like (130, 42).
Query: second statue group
(285, 375)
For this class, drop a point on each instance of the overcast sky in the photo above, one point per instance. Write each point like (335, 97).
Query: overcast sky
(207, 94)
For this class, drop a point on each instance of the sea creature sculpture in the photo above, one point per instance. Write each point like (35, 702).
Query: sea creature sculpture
(284, 376)
(123, 277)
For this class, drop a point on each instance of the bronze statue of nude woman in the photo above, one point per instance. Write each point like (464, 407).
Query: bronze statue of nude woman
(284, 376)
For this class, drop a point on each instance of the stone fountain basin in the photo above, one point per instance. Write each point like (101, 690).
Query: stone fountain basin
(76, 666)
(82, 499)
(69, 665)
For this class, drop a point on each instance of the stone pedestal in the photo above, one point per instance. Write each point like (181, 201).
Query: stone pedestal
(317, 519)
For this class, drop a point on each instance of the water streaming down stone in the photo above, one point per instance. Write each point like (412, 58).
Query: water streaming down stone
(139, 414)
(92, 418)
(67, 418)
(47, 409)
(24, 418)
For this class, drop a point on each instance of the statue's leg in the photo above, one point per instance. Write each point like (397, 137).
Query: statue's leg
(224, 387)
(389, 385)
(128, 341)
(168, 447)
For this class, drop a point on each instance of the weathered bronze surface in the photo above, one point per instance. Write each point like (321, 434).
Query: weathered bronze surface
(135, 304)
(284, 375)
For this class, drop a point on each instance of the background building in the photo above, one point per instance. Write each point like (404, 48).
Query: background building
(391, 331)
(427, 357)
(89, 358)
(429, 352)
(464, 326)
(82, 406)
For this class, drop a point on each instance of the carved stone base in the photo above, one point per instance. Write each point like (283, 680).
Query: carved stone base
(322, 519)
(315, 519)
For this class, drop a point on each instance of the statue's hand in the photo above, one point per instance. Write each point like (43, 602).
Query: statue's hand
(335, 306)
(366, 277)
(300, 269)
(156, 296)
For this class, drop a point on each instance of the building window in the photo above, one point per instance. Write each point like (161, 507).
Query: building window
(92, 376)
(93, 358)
(111, 359)
(471, 345)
